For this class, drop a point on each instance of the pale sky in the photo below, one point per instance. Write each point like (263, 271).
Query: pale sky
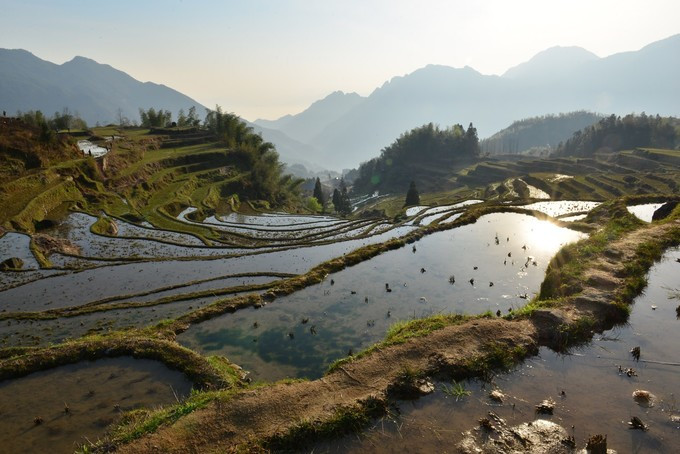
(264, 59)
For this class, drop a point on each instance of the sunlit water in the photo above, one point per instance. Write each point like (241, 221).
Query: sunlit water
(301, 334)
(96, 394)
(597, 397)
(561, 207)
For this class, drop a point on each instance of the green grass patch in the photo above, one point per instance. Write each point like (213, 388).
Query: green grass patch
(495, 356)
(401, 332)
(456, 390)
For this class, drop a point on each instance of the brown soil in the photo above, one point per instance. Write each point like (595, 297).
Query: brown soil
(49, 245)
(262, 413)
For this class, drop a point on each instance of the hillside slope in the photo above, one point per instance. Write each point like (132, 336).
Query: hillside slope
(540, 133)
(147, 175)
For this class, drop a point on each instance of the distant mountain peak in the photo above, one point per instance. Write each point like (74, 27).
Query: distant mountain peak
(552, 61)
(79, 59)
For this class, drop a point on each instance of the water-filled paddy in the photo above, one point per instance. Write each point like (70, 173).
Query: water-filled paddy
(96, 394)
(17, 333)
(300, 334)
(18, 245)
(78, 288)
(597, 396)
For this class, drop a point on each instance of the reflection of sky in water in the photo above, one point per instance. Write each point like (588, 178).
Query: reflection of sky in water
(93, 284)
(18, 245)
(644, 212)
(345, 321)
(598, 399)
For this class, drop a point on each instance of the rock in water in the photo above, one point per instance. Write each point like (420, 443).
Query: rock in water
(596, 444)
(539, 436)
(546, 407)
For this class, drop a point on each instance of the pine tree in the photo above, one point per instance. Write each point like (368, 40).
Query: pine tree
(412, 196)
(318, 193)
(336, 199)
(345, 207)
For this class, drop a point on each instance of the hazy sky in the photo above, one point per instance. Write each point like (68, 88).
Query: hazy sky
(263, 59)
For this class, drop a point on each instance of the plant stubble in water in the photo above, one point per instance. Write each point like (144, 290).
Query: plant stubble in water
(352, 309)
(76, 403)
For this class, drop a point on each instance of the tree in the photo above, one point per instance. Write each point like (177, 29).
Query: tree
(123, 121)
(62, 121)
(313, 205)
(182, 120)
(192, 118)
(336, 199)
(412, 196)
(318, 193)
(155, 119)
(344, 206)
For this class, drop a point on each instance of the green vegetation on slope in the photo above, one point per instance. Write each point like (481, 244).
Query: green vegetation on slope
(147, 175)
(537, 134)
(615, 133)
(421, 155)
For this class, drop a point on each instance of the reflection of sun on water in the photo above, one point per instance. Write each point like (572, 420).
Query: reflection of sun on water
(542, 236)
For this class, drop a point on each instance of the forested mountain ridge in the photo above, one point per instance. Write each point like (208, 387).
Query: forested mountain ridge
(537, 134)
(95, 91)
(427, 155)
(343, 130)
(614, 133)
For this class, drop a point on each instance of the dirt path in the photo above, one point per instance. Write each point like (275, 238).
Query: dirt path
(261, 413)
(264, 412)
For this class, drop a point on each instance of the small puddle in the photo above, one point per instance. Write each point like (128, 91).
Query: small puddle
(644, 212)
(301, 334)
(96, 394)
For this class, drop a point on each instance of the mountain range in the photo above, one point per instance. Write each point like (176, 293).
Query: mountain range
(557, 80)
(97, 91)
(345, 129)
